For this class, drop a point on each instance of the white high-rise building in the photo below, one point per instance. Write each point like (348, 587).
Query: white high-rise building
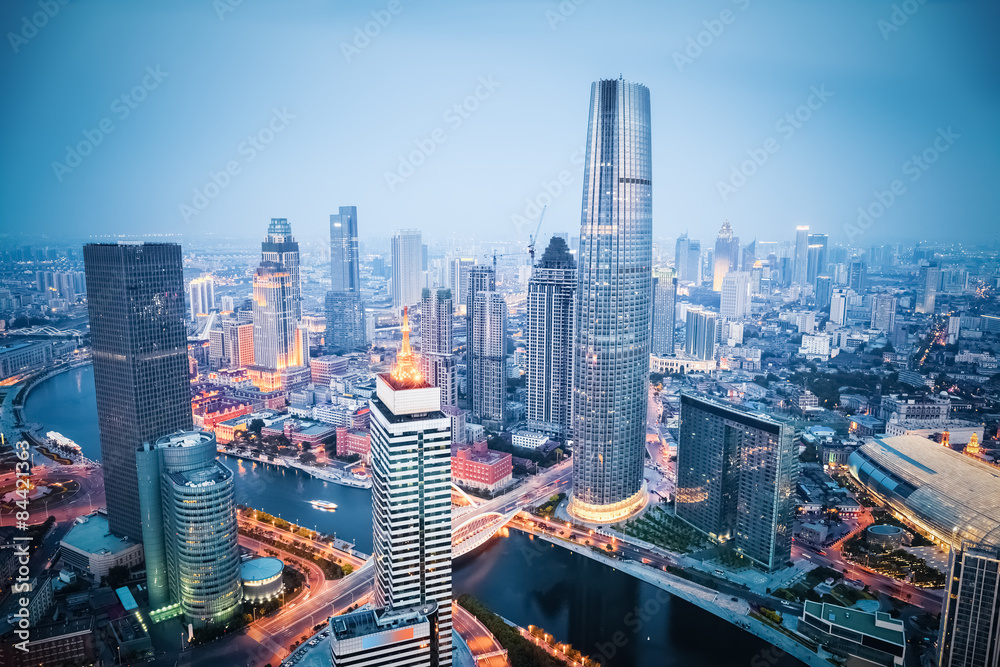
(411, 495)
(701, 333)
(735, 303)
(838, 306)
(487, 344)
(800, 265)
(201, 295)
(407, 268)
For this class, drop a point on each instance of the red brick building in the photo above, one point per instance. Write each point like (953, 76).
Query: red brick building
(477, 467)
(354, 442)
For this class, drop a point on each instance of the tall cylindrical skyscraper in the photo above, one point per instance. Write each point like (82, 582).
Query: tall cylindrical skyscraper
(611, 339)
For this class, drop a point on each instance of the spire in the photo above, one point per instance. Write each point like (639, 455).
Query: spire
(406, 371)
(973, 447)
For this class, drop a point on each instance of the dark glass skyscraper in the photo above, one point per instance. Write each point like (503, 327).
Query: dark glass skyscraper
(614, 294)
(345, 315)
(549, 333)
(135, 296)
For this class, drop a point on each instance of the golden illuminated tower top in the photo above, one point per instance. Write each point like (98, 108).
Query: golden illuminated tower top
(973, 447)
(406, 371)
(946, 439)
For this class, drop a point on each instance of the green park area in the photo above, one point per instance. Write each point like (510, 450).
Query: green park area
(657, 526)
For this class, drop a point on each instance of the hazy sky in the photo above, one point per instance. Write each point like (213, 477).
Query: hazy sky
(309, 113)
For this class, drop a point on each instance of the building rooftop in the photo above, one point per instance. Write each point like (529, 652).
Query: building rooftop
(261, 568)
(949, 493)
(368, 621)
(91, 535)
(879, 625)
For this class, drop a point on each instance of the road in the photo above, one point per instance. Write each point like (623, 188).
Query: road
(485, 648)
(89, 497)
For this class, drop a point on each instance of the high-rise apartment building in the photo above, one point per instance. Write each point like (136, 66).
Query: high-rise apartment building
(736, 474)
(478, 279)
(824, 291)
(727, 255)
(135, 297)
(437, 344)
(800, 264)
(614, 304)
(407, 272)
(735, 299)
(701, 333)
(549, 333)
(201, 296)
(279, 247)
(458, 278)
(970, 620)
(687, 259)
(839, 302)
(237, 340)
(345, 313)
(884, 312)
(857, 275)
(188, 508)
(411, 496)
(664, 312)
(487, 344)
(817, 257)
(929, 282)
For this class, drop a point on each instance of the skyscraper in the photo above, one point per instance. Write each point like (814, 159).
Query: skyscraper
(701, 331)
(437, 344)
(735, 301)
(478, 279)
(458, 278)
(487, 343)
(279, 247)
(884, 312)
(407, 260)
(188, 508)
(736, 473)
(345, 314)
(614, 294)
(727, 255)
(279, 343)
(800, 265)
(818, 257)
(857, 275)
(824, 291)
(838, 306)
(411, 494)
(970, 620)
(549, 330)
(664, 312)
(929, 282)
(135, 297)
(687, 259)
(201, 294)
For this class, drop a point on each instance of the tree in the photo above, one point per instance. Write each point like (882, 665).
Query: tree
(256, 426)
(117, 576)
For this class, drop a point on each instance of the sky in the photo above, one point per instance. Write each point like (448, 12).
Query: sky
(870, 120)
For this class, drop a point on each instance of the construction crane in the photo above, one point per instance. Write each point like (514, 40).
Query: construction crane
(534, 237)
(494, 256)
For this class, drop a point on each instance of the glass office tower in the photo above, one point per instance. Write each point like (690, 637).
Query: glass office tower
(135, 297)
(614, 295)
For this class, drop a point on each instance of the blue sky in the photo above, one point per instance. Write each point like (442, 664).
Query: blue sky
(308, 116)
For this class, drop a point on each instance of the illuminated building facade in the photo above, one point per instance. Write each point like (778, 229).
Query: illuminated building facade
(411, 497)
(279, 247)
(727, 255)
(613, 307)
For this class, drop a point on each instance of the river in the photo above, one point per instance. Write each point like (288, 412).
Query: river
(574, 598)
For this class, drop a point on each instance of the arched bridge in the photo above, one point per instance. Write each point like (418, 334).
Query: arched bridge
(471, 532)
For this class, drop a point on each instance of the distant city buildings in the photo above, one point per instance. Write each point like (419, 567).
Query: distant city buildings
(345, 313)
(135, 297)
(610, 379)
(549, 332)
(736, 475)
(407, 268)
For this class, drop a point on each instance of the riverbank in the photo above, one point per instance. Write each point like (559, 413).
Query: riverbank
(736, 612)
(286, 462)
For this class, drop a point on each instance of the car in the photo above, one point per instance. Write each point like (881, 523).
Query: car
(786, 603)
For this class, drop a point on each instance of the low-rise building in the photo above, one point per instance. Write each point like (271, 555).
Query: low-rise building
(477, 467)
(351, 441)
(18, 357)
(54, 645)
(528, 439)
(91, 550)
(873, 639)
